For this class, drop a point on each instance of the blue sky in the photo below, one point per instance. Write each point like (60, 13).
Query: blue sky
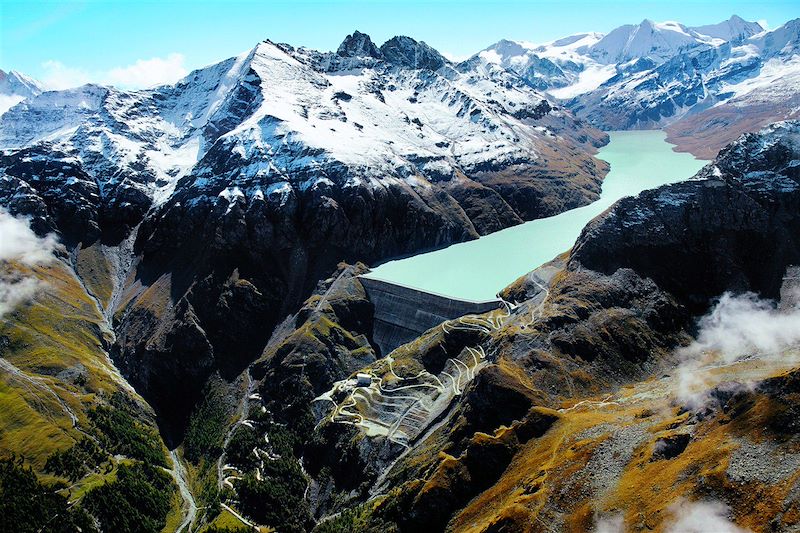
(133, 43)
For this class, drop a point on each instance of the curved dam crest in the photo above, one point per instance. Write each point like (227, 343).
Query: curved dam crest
(403, 313)
(414, 294)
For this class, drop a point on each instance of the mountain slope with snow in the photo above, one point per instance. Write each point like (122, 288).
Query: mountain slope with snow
(582, 62)
(289, 112)
(733, 29)
(695, 81)
(654, 74)
(16, 87)
(656, 41)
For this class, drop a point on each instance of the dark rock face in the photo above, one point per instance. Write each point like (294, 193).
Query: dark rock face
(784, 391)
(327, 334)
(358, 44)
(191, 356)
(736, 228)
(60, 196)
(407, 52)
(543, 74)
(671, 446)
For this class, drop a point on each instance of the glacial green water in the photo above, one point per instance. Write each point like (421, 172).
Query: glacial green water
(479, 269)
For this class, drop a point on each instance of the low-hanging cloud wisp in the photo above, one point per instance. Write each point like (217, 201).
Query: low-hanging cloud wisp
(22, 246)
(141, 74)
(738, 327)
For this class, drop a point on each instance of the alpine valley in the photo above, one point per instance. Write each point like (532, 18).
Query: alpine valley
(186, 343)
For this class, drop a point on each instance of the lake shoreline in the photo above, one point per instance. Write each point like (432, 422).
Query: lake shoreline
(477, 270)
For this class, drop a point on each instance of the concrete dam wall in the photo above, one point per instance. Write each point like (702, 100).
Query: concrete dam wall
(404, 313)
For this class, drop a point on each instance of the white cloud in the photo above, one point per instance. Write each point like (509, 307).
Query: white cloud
(736, 328)
(610, 524)
(149, 72)
(16, 290)
(141, 74)
(21, 245)
(9, 101)
(701, 517)
(491, 56)
(455, 58)
(763, 23)
(59, 76)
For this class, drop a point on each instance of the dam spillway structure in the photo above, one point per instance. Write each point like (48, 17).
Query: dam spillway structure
(404, 313)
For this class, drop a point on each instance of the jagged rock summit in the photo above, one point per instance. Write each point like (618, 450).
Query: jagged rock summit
(358, 44)
(399, 50)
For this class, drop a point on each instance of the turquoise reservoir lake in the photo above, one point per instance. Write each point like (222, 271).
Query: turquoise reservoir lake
(477, 270)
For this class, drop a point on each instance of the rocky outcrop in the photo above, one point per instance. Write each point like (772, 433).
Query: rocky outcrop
(58, 194)
(409, 53)
(358, 44)
(734, 227)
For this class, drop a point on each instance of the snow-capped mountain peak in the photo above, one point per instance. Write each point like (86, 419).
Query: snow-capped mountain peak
(16, 87)
(733, 29)
(14, 82)
(358, 44)
(648, 39)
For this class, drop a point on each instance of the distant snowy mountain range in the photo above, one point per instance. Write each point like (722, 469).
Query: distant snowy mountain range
(655, 74)
(581, 63)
